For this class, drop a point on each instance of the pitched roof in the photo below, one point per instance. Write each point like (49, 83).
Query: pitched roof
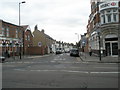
(27, 28)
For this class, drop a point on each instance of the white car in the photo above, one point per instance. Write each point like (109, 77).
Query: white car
(58, 50)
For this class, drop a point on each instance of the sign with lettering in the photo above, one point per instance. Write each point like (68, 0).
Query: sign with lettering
(106, 5)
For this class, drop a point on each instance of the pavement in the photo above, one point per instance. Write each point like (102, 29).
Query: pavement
(25, 57)
(85, 57)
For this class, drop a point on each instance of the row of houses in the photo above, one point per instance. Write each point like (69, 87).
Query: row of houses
(20, 40)
(103, 28)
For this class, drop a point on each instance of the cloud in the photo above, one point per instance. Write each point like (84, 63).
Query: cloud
(57, 17)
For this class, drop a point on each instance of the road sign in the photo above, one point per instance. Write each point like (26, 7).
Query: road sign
(39, 44)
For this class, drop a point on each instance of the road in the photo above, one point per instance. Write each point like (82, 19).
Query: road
(58, 71)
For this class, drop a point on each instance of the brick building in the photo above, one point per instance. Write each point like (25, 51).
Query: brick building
(28, 39)
(42, 42)
(103, 27)
(11, 37)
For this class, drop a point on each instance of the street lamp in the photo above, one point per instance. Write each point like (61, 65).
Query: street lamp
(19, 27)
(78, 39)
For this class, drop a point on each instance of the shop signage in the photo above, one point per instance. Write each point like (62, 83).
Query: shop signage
(106, 5)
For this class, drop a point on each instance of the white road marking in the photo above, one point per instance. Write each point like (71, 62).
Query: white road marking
(38, 56)
(104, 72)
(106, 67)
(52, 61)
(58, 59)
(70, 71)
(20, 69)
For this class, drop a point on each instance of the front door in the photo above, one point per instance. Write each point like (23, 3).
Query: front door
(111, 48)
(114, 48)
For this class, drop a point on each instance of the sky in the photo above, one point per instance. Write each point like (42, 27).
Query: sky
(63, 20)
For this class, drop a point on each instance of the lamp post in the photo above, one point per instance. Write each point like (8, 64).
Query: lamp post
(19, 27)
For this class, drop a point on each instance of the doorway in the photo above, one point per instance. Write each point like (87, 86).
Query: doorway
(111, 48)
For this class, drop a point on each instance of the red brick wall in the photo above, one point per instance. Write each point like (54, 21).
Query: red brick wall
(36, 50)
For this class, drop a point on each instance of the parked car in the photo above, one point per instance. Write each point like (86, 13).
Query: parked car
(58, 50)
(74, 52)
(67, 51)
(2, 58)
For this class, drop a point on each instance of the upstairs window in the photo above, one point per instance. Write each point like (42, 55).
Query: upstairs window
(25, 37)
(7, 31)
(16, 33)
(108, 11)
(115, 17)
(28, 38)
(103, 19)
(114, 10)
(3, 31)
(109, 17)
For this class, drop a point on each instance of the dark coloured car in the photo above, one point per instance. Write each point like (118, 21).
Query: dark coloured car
(74, 52)
(2, 59)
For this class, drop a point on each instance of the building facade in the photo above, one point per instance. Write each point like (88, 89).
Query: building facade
(103, 27)
(11, 38)
(42, 41)
(28, 39)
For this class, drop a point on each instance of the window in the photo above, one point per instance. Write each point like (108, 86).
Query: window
(25, 37)
(3, 31)
(16, 33)
(109, 17)
(108, 11)
(102, 12)
(114, 10)
(7, 31)
(28, 38)
(115, 17)
(103, 19)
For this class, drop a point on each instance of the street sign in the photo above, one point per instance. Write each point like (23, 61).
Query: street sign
(39, 44)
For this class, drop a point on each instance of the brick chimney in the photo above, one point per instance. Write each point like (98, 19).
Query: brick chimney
(42, 30)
